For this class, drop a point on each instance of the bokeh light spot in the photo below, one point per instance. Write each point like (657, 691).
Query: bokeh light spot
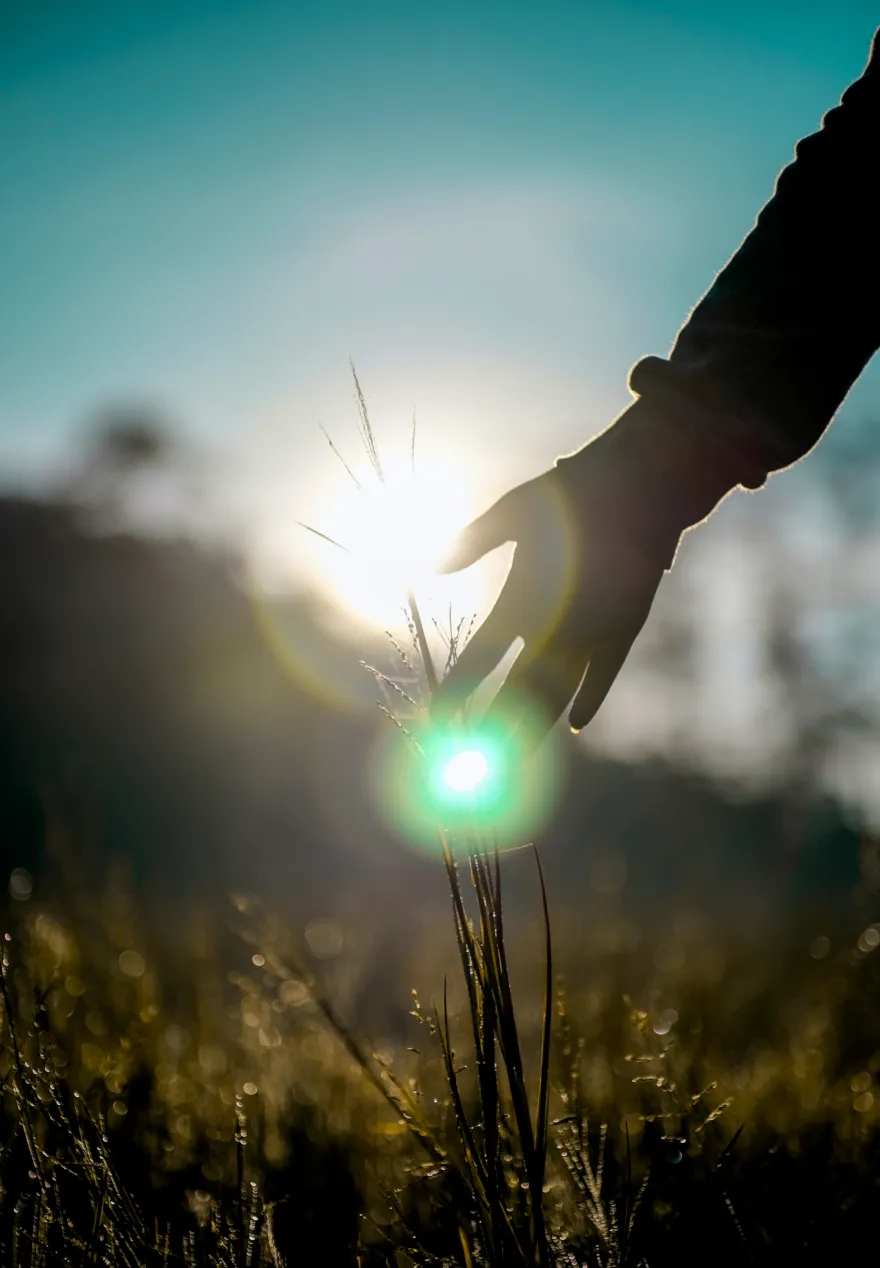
(21, 885)
(324, 939)
(132, 963)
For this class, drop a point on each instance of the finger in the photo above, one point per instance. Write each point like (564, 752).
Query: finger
(537, 689)
(495, 527)
(605, 664)
(482, 654)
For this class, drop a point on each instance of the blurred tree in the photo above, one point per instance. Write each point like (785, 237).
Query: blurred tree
(136, 470)
(125, 438)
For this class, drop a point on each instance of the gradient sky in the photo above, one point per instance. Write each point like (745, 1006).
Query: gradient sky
(495, 209)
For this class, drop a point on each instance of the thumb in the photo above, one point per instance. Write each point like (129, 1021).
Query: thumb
(605, 664)
(496, 526)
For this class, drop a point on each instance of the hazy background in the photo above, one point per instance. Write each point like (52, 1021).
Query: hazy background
(495, 210)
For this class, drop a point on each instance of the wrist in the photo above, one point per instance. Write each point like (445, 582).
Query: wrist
(649, 479)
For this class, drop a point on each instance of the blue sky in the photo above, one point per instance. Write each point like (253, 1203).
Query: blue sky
(495, 209)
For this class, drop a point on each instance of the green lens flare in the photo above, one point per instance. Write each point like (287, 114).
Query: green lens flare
(467, 769)
(469, 782)
(462, 774)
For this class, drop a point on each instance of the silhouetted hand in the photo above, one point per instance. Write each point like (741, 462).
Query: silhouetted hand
(593, 537)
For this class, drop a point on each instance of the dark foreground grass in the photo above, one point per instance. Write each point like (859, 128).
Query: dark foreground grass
(239, 1120)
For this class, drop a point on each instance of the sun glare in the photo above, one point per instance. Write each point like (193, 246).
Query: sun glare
(392, 539)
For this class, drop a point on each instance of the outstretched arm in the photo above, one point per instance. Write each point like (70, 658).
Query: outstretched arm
(768, 355)
(753, 380)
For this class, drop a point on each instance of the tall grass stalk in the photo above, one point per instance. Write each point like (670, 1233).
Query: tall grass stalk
(503, 1147)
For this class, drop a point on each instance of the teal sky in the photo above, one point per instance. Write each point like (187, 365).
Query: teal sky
(495, 209)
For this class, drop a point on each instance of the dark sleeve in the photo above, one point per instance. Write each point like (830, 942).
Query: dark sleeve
(768, 355)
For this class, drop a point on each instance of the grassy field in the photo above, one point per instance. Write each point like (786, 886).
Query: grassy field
(524, 1087)
(726, 1113)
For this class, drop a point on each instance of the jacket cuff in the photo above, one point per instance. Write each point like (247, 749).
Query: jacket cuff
(691, 399)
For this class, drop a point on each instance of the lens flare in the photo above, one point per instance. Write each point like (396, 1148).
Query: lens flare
(475, 783)
(467, 769)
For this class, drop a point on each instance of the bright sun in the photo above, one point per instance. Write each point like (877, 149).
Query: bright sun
(394, 537)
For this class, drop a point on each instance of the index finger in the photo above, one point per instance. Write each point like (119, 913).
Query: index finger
(491, 529)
